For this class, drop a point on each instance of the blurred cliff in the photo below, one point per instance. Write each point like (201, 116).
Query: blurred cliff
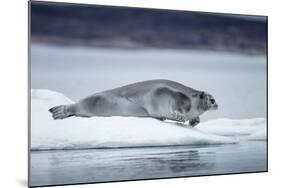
(120, 27)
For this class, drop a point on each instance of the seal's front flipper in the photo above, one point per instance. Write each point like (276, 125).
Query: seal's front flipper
(61, 112)
(194, 122)
(177, 116)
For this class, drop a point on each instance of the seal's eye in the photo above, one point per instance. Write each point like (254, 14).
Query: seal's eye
(212, 101)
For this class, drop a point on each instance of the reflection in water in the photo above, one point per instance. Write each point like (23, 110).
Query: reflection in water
(99, 165)
(184, 161)
(180, 161)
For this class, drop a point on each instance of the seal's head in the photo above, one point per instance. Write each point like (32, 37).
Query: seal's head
(206, 101)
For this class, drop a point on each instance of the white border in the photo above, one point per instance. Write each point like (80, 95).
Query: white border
(13, 110)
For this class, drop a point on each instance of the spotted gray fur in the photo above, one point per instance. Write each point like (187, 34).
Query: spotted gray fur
(159, 99)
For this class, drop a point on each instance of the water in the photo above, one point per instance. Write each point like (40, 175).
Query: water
(100, 165)
(238, 82)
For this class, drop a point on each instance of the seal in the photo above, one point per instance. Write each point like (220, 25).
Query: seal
(159, 99)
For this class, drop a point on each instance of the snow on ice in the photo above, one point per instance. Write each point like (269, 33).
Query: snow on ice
(114, 132)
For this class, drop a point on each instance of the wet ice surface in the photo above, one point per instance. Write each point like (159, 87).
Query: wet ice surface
(99, 165)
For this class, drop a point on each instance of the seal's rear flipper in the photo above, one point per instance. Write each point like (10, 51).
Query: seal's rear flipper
(61, 112)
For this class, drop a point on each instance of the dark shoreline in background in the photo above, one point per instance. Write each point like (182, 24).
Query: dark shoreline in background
(137, 28)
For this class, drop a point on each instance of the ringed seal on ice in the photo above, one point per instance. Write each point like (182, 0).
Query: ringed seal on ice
(160, 99)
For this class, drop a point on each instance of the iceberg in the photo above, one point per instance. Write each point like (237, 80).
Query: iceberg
(116, 132)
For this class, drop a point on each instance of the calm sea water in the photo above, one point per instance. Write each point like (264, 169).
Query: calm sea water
(99, 165)
(238, 82)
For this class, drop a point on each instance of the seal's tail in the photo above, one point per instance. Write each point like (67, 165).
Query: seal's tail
(61, 112)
